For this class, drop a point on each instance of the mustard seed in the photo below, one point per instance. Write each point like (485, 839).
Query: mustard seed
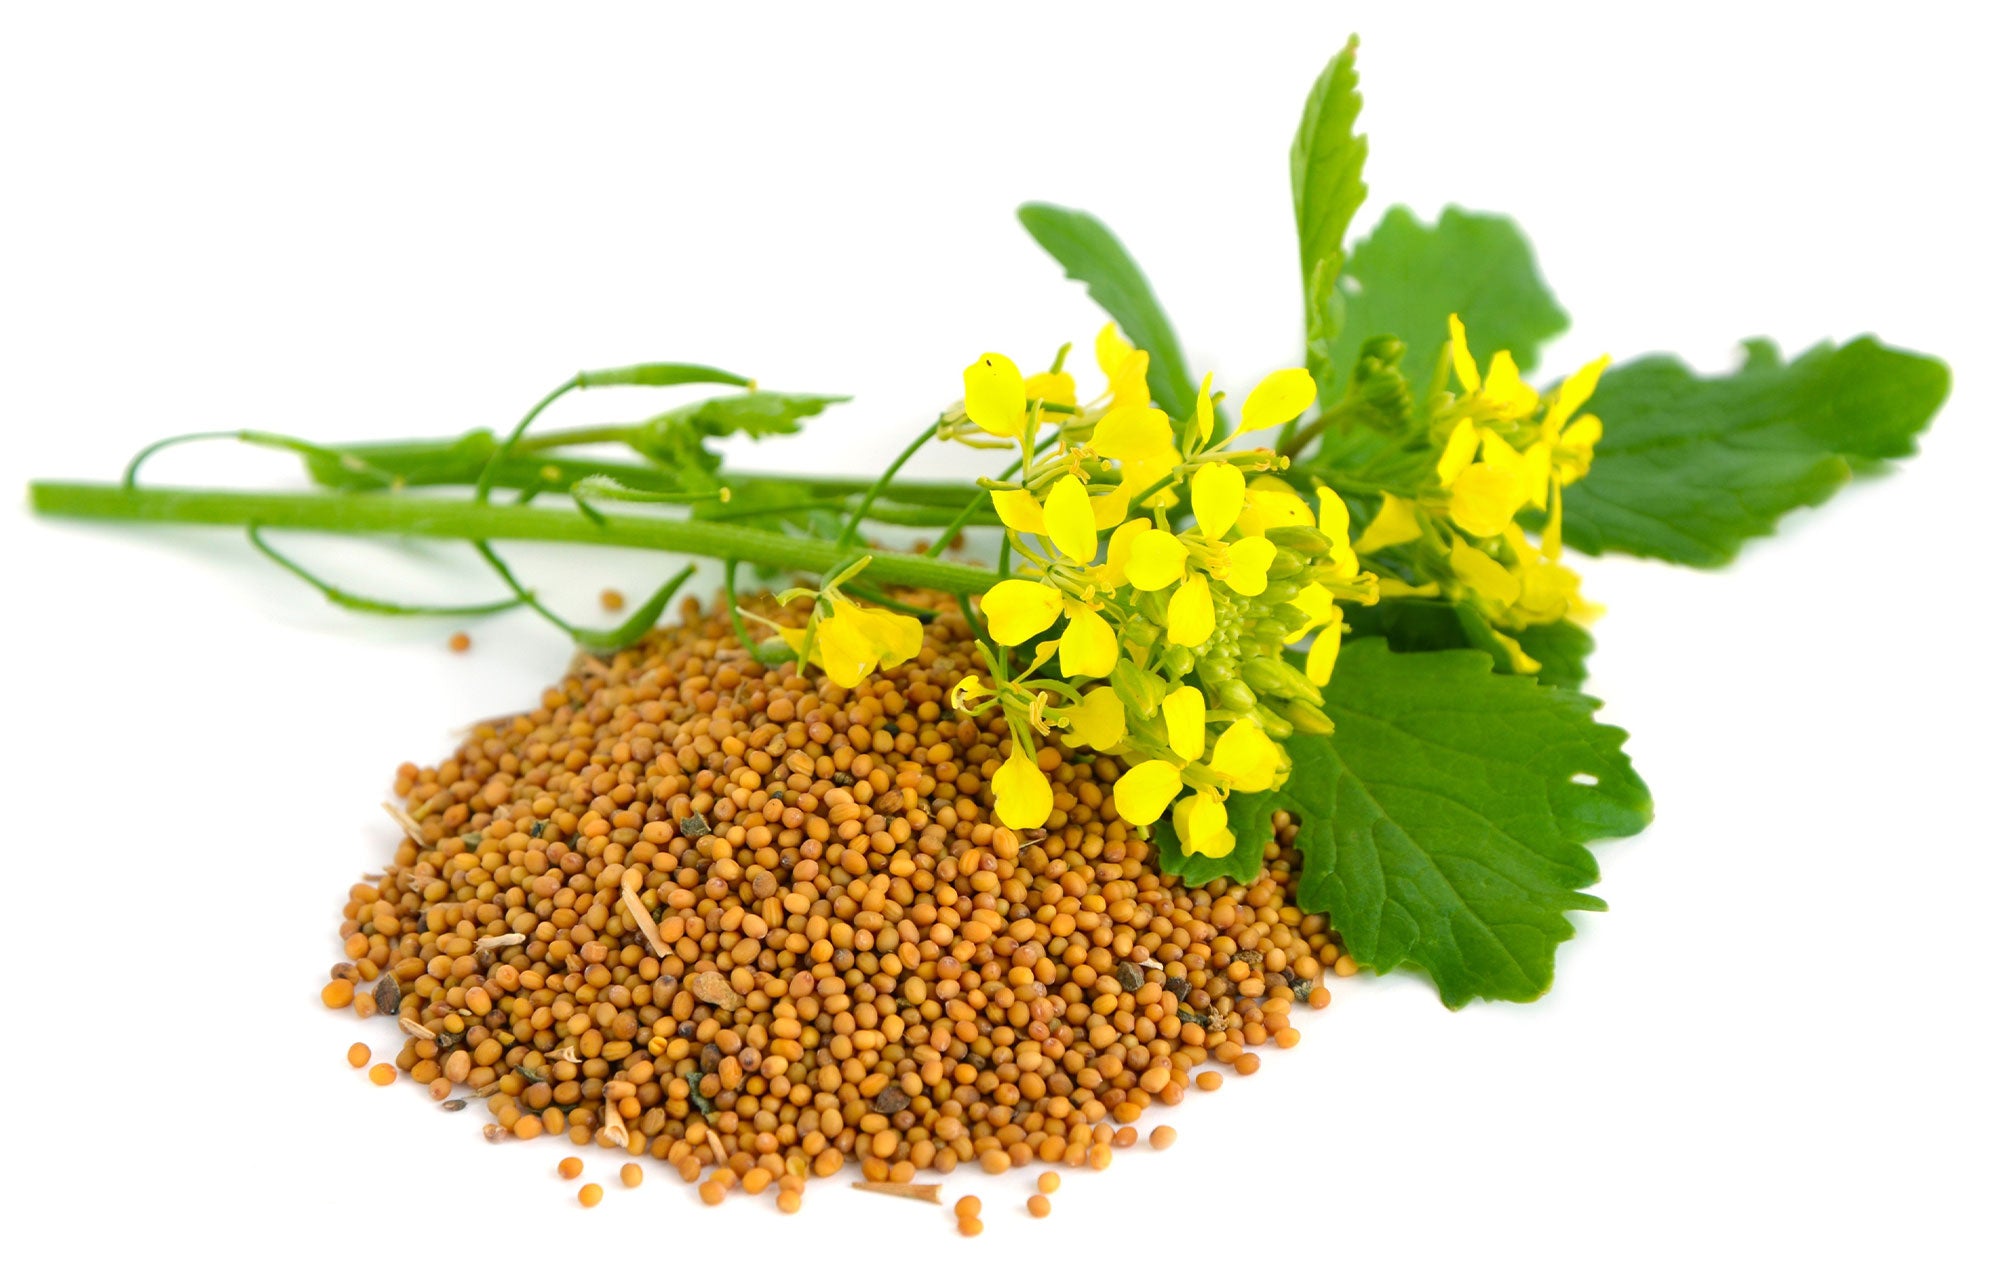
(788, 1201)
(381, 1074)
(995, 1161)
(971, 1226)
(631, 1175)
(357, 1055)
(337, 994)
(1162, 1137)
(967, 1206)
(1038, 1205)
(1048, 1183)
(591, 1195)
(459, 643)
(611, 599)
(570, 1169)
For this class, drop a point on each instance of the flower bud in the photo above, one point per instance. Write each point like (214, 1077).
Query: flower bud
(1285, 564)
(1309, 540)
(1233, 695)
(1274, 725)
(1140, 691)
(1178, 660)
(1306, 718)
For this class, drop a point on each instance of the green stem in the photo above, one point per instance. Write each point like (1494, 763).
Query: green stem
(579, 436)
(369, 605)
(484, 487)
(853, 527)
(345, 514)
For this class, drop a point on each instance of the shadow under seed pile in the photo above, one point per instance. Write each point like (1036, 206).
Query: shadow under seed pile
(757, 925)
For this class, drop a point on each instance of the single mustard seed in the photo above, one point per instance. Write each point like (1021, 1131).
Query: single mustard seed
(459, 643)
(591, 1195)
(1038, 1205)
(1162, 1137)
(337, 994)
(611, 599)
(995, 1161)
(967, 1206)
(631, 1174)
(712, 1192)
(382, 1074)
(570, 1169)
(1208, 1081)
(1048, 1182)
(357, 1055)
(971, 1226)
(788, 1201)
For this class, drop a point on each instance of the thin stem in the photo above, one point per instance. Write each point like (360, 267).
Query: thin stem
(521, 593)
(484, 486)
(349, 514)
(581, 435)
(345, 461)
(368, 605)
(853, 527)
(743, 637)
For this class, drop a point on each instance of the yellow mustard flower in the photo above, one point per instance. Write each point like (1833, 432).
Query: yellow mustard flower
(1022, 797)
(1141, 439)
(1201, 820)
(1487, 495)
(1097, 721)
(1017, 609)
(996, 398)
(1154, 559)
(1219, 498)
(1118, 553)
(1316, 600)
(854, 640)
(1278, 399)
(1502, 395)
(1247, 757)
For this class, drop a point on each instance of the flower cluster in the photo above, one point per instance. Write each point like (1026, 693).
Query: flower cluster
(1501, 449)
(1164, 569)
(848, 640)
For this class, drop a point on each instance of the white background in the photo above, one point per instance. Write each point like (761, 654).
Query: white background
(1774, 1051)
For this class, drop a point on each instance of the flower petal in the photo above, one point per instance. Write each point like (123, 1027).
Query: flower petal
(1191, 613)
(1458, 452)
(1098, 722)
(1022, 797)
(1279, 397)
(1202, 822)
(1271, 502)
(896, 637)
(1462, 361)
(1071, 521)
(1246, 757)
(1394, 523)
(1575, 391)
(1250, 565)
(1483, 575)
(1111, 349)
(1056, 388)
(843, 649)
(1218, 498)
(1133, 433)
(1020, 511)
(1143, 792)
(996, 399)
(1118, 553)
(1089, 646)
(1317, 604)
(1324, 650)
(1204, 412)
(1017, 609)
(1183, 711)
(1485, 499)
(1506, 394)
(1156, 560)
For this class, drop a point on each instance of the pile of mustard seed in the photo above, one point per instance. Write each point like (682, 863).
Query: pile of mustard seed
(754, 925)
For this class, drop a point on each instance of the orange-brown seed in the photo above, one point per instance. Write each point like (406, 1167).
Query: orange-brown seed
(357, 1055)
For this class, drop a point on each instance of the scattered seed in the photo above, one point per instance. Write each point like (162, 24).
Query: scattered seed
(591, 1195)
(455, 1104)
(971, 1226)
(570, 1169)
(1038, 1205)
(611, 599)
(967, 1206)
(1048, 1183)
(631, 1175)
(357, 1055)
(788, 1201)
(382, 1074)
(337, 994)
(459, 643)
(1162, 1137)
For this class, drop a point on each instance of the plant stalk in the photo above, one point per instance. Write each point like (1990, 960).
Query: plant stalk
(362, 514)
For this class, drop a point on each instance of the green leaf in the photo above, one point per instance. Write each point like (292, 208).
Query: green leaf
(759, 414)
(1562, 649)
(1415, 624)
(1691, 467)
(1092, 255)
(1327, 189)
(657, 374)
(1443, 824)
(1249, 817)
(1406, 279)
